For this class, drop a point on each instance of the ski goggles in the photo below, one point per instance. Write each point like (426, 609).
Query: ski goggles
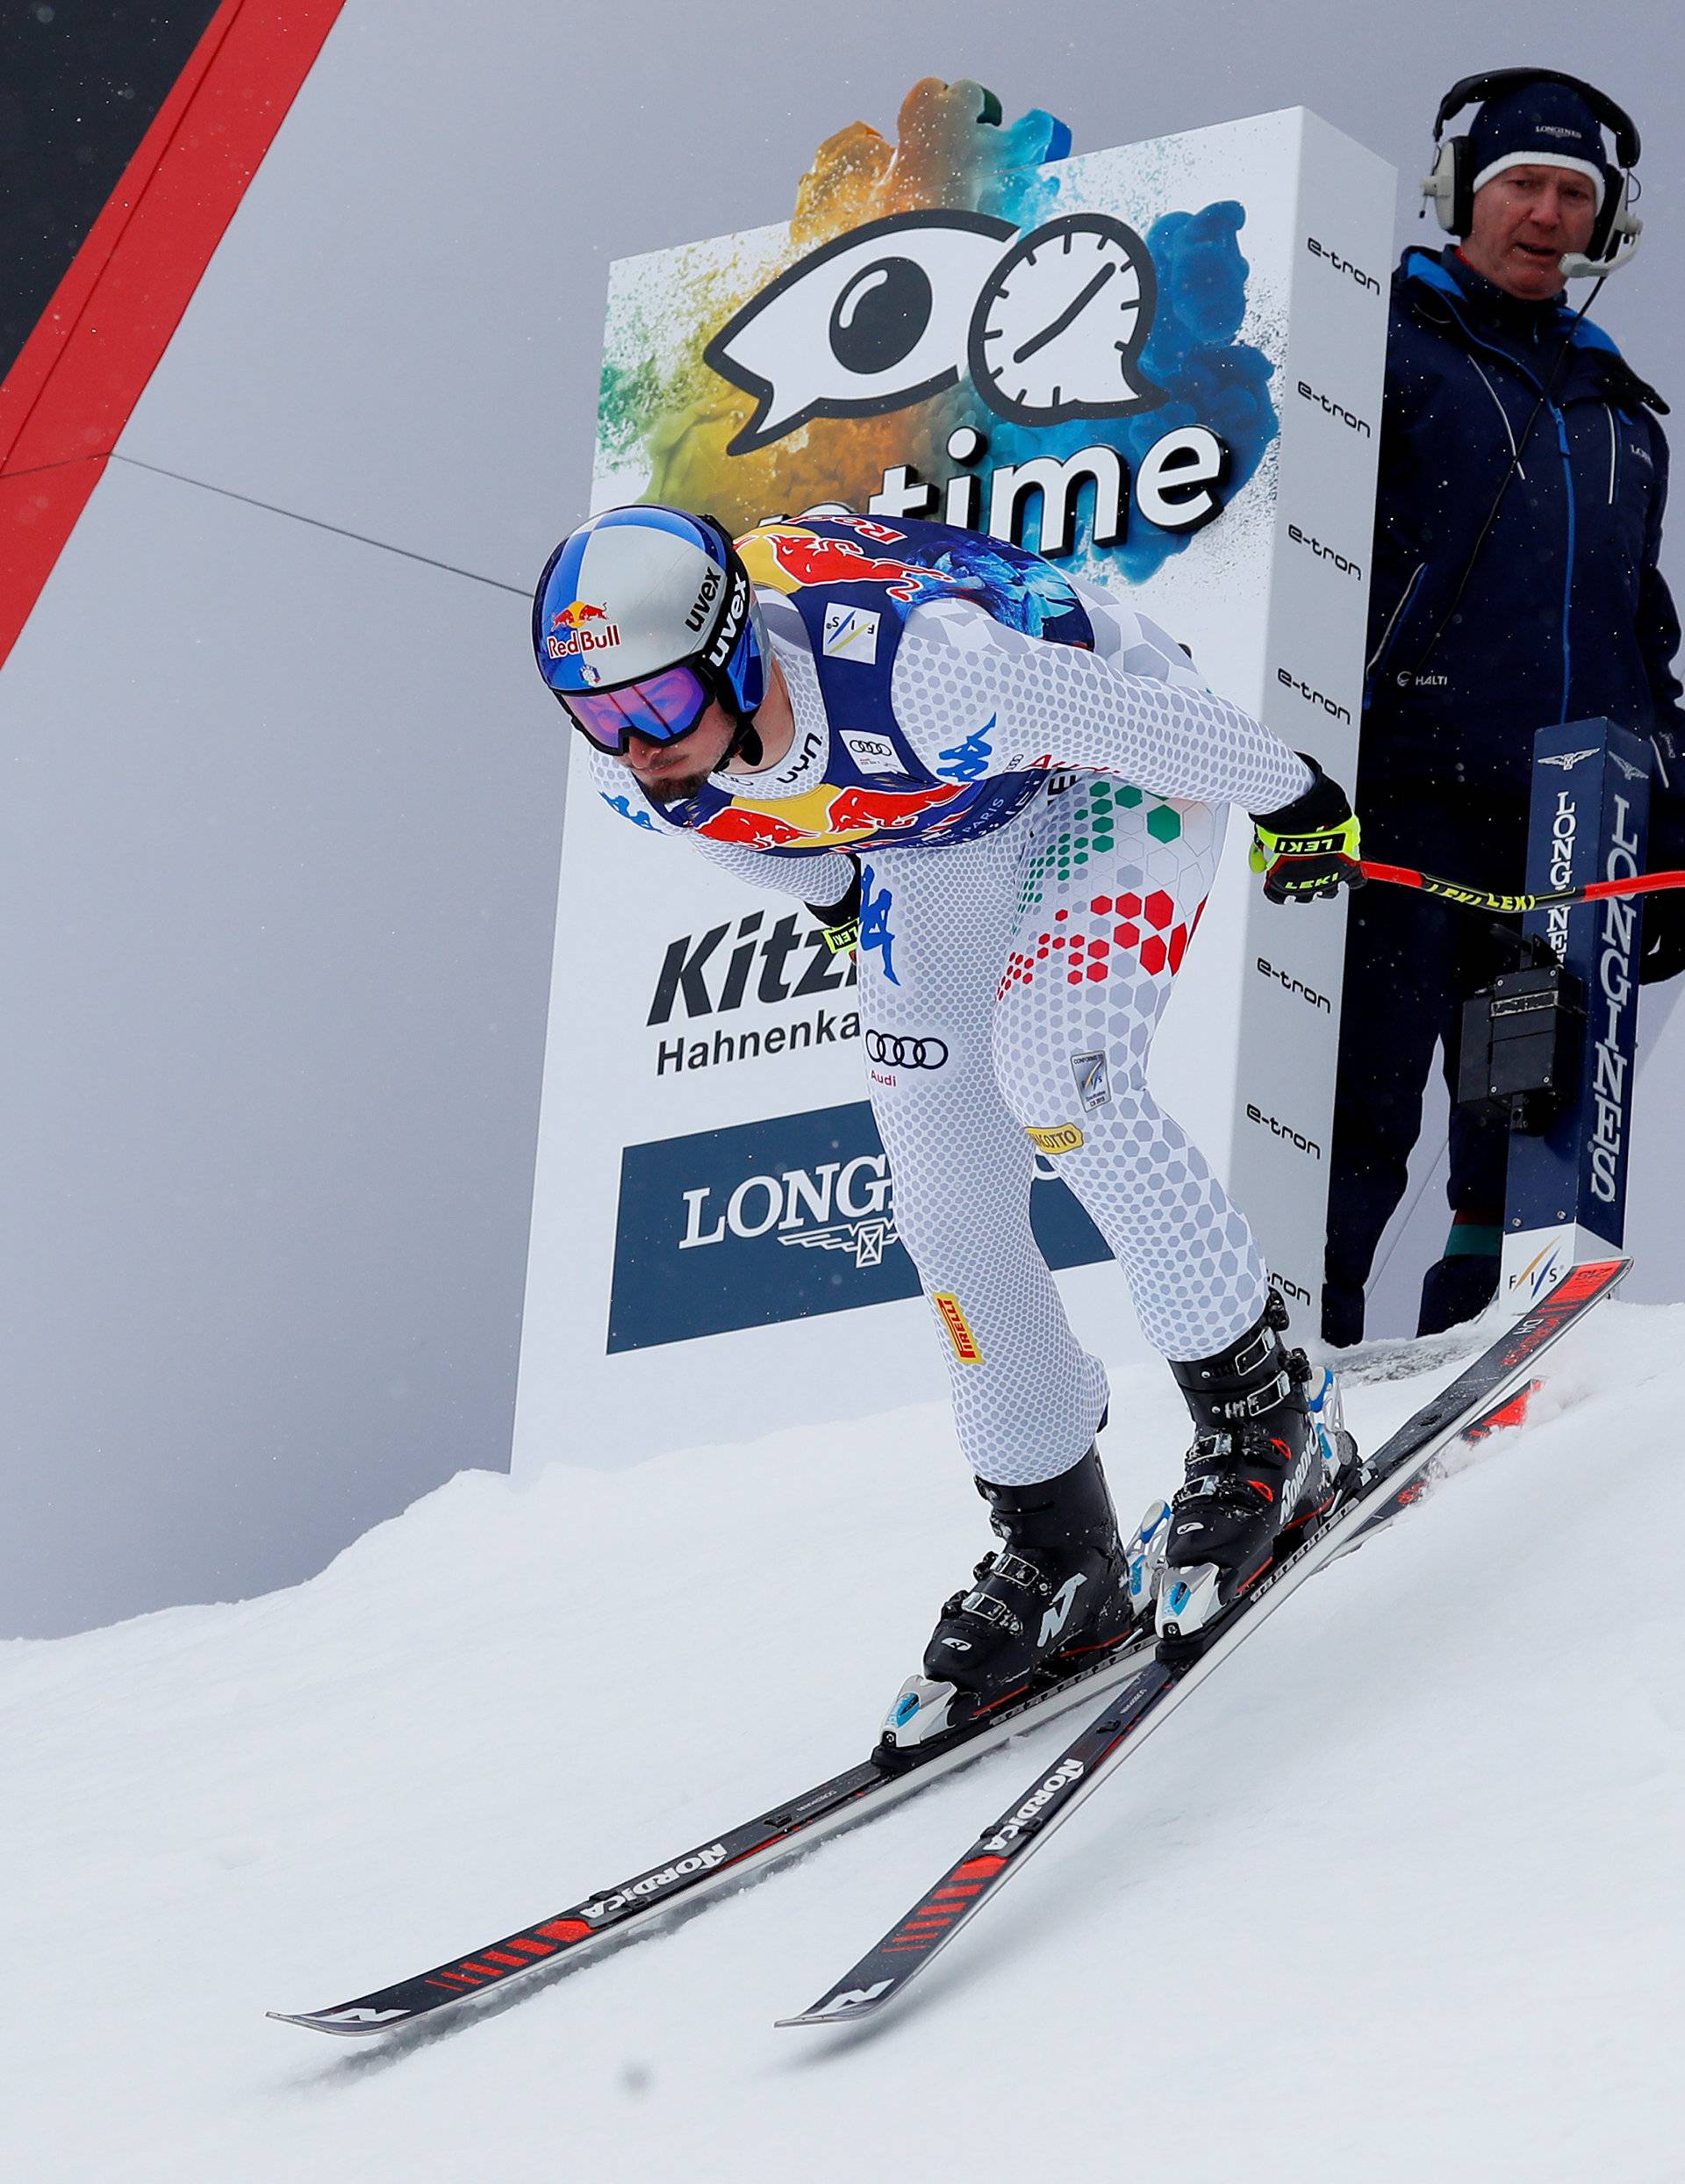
(660, 708)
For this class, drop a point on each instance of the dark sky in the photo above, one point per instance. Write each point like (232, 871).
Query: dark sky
(79, 86)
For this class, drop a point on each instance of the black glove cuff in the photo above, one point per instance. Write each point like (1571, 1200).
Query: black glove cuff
(846, 908)
(1323, 804)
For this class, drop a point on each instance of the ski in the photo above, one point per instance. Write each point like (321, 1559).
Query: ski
(753, 1847)
(1480, 1401)
(780, 1833)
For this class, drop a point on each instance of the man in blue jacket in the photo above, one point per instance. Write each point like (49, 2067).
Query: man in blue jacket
(1523, 478)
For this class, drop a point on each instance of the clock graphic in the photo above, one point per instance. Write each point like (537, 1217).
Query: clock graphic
(1061, 320)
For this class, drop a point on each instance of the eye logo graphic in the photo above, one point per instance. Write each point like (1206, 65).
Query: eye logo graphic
(1049, 325)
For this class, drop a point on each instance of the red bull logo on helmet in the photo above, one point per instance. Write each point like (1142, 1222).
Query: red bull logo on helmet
(581, 627)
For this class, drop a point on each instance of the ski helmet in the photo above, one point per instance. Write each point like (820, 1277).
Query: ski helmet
(642, 618)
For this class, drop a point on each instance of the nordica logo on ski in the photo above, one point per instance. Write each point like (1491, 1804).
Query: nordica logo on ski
(653, 1883)
(1009, 1831)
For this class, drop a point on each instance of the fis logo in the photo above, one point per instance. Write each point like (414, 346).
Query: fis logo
(1542, 1271)
(851, 633)
(1094, 1082)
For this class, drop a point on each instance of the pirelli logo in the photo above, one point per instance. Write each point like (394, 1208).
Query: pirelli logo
(959, 1328)
(1063, 1138)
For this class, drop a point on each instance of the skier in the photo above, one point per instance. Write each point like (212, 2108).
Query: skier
(1015, 783)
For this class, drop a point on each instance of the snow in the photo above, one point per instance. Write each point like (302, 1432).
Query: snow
(1395, 1895)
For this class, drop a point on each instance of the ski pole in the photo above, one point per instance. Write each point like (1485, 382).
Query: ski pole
(1479, 898)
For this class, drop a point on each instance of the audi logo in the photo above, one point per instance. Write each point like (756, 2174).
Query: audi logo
(899, 1053)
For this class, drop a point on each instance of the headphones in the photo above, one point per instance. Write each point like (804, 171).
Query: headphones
(1615, 230)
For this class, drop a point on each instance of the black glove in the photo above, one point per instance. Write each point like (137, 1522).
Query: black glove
(1309, 847)
(842, 919)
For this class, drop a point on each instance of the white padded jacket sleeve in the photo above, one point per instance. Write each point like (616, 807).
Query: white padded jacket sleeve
(1133, 707)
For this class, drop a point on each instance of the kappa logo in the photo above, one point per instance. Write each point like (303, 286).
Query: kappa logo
(1568, 760)
(851, 633)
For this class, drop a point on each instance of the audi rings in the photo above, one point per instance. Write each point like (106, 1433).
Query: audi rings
(894, 1053)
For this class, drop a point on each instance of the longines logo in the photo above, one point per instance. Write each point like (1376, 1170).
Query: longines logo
(798, 1204)
(782, 1220)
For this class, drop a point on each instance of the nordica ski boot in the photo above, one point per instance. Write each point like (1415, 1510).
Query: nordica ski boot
(1269, 1451)
(1063, 1587)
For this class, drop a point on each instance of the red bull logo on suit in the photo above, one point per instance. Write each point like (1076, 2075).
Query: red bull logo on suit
(785, 556)
(823, 817)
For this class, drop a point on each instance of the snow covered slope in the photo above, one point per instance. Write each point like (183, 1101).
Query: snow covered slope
(1397, 1895)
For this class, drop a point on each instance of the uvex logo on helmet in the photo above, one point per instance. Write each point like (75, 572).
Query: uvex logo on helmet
(719, 648)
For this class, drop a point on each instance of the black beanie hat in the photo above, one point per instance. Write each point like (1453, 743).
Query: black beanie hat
(1539, 125)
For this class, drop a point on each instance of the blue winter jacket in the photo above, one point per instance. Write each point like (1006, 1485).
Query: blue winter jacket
(1564, 614)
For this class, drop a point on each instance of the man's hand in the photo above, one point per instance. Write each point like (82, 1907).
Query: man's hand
(1309, 847)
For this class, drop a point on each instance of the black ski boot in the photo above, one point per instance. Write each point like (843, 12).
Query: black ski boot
(1058, 1589)
(1269, 1448)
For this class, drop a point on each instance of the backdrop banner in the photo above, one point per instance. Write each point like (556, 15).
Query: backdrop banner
(1161, 366)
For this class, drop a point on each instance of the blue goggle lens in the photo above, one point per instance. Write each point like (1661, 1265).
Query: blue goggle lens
(660, 708)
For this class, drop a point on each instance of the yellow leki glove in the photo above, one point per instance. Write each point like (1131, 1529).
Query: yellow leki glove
(1309, 847)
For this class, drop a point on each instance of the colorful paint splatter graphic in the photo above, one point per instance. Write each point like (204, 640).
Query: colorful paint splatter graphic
(668, 419)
